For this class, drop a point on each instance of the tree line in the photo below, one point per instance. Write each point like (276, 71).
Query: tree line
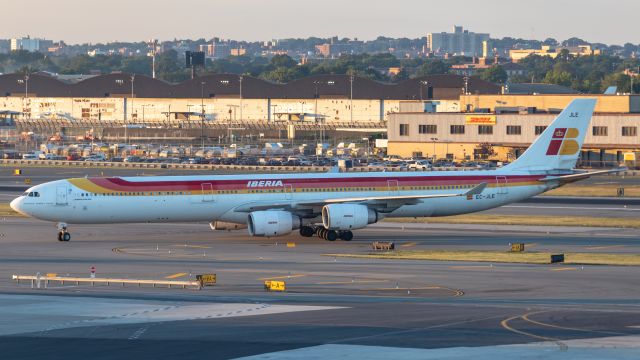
(587, 74)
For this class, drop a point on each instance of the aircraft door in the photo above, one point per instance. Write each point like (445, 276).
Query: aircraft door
(501, 183)
(61, 195)
(393, 187)
(207, 192)
(288, 191)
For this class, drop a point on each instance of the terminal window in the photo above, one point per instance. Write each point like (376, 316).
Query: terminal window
(514, 130)
(629, 131)
(485, 129)
(404, 129)
(427, 129)
(600, 131)
(540, 129)
(457, 129)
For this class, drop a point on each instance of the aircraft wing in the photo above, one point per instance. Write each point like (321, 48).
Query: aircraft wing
(565, 179)
(382, 203)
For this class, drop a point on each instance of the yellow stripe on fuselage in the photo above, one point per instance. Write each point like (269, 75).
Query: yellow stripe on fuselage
(89, 186)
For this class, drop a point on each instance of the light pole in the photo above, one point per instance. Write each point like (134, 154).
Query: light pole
(317, 95)
(26, 86)
(466, 84)
(351, 78)
(202, 113)
(126, 126)
(240, 79)
(434, 148)
(424, 83)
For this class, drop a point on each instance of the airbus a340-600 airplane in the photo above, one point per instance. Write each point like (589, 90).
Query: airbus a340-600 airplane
(330, 205)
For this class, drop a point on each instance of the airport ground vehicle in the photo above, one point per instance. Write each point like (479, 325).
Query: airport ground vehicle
(330, 205)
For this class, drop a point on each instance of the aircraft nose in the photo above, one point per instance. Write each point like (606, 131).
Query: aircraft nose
(16, 205)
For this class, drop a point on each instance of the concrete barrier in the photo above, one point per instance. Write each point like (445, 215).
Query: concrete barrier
(38, 280)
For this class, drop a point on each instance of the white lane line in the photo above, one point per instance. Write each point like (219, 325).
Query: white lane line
(569, 207)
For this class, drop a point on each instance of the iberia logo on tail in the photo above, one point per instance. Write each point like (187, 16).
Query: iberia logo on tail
(563, 142)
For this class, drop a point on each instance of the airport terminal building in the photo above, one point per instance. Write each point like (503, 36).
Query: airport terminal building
(225, 97)
(500, 127)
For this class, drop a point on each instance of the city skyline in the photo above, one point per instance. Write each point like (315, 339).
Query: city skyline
(254, 20)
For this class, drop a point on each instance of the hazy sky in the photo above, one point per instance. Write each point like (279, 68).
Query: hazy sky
(79, 21)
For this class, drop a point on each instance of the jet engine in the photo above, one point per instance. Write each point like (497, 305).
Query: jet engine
(347, 216)
(272, 223)
(222, 225)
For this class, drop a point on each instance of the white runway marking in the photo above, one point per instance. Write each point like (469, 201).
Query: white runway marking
(34, 313)
(615, 347)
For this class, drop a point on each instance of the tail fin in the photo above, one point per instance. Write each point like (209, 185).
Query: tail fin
(558, 147)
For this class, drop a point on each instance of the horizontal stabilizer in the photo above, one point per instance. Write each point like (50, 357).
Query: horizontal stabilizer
(565, 179)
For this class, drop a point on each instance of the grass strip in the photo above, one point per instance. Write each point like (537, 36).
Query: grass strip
(501, 257)
(542, 220)
(6, 210)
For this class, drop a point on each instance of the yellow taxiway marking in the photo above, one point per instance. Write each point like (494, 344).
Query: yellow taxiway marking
(505, 324)
(350, 282)
(525, 317)
(283, 277)
(174, 276)
(192, 246)
(564, 269)
(409, 244)
(605, 247)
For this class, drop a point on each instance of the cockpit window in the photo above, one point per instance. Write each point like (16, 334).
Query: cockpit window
(31, 194)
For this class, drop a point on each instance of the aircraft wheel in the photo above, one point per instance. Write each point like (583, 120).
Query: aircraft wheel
(307, 231)
(331, 235)
(66, 236)
(60, 236)
(346, 235)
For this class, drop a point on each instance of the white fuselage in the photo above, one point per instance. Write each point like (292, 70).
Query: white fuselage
(214, 198)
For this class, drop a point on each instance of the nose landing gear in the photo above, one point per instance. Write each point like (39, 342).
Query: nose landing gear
(63, 233)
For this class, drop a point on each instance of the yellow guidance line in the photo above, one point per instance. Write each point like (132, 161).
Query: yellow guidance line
(505, 324)
(409, 244)
(471, 267)
(282, 277)
(175, 276)
(350, 282)
(604, 247)
(564, 269)
(526, 318)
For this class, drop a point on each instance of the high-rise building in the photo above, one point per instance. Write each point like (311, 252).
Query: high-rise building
(27, 44)
(460, 42)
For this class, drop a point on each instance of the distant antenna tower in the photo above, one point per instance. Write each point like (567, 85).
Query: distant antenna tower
(153, 43)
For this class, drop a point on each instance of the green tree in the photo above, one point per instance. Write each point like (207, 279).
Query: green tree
(433, 67)
(495, 74)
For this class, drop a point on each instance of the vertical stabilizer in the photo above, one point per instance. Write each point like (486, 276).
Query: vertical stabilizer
(558, 147)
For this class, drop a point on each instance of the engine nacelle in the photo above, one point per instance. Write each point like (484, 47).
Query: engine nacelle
(272, 223)
(347, 216)
(221, 225)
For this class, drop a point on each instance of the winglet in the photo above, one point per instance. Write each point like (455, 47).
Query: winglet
(478, 189)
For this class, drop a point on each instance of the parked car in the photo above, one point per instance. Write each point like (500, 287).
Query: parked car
(419, 165)
(392, 158)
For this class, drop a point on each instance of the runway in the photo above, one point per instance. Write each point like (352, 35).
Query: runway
(333, 306)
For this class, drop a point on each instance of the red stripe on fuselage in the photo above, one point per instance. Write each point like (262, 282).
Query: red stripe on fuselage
(119, 184)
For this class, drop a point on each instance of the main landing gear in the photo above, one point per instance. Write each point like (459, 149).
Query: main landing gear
(329, 235)
(63, 234)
